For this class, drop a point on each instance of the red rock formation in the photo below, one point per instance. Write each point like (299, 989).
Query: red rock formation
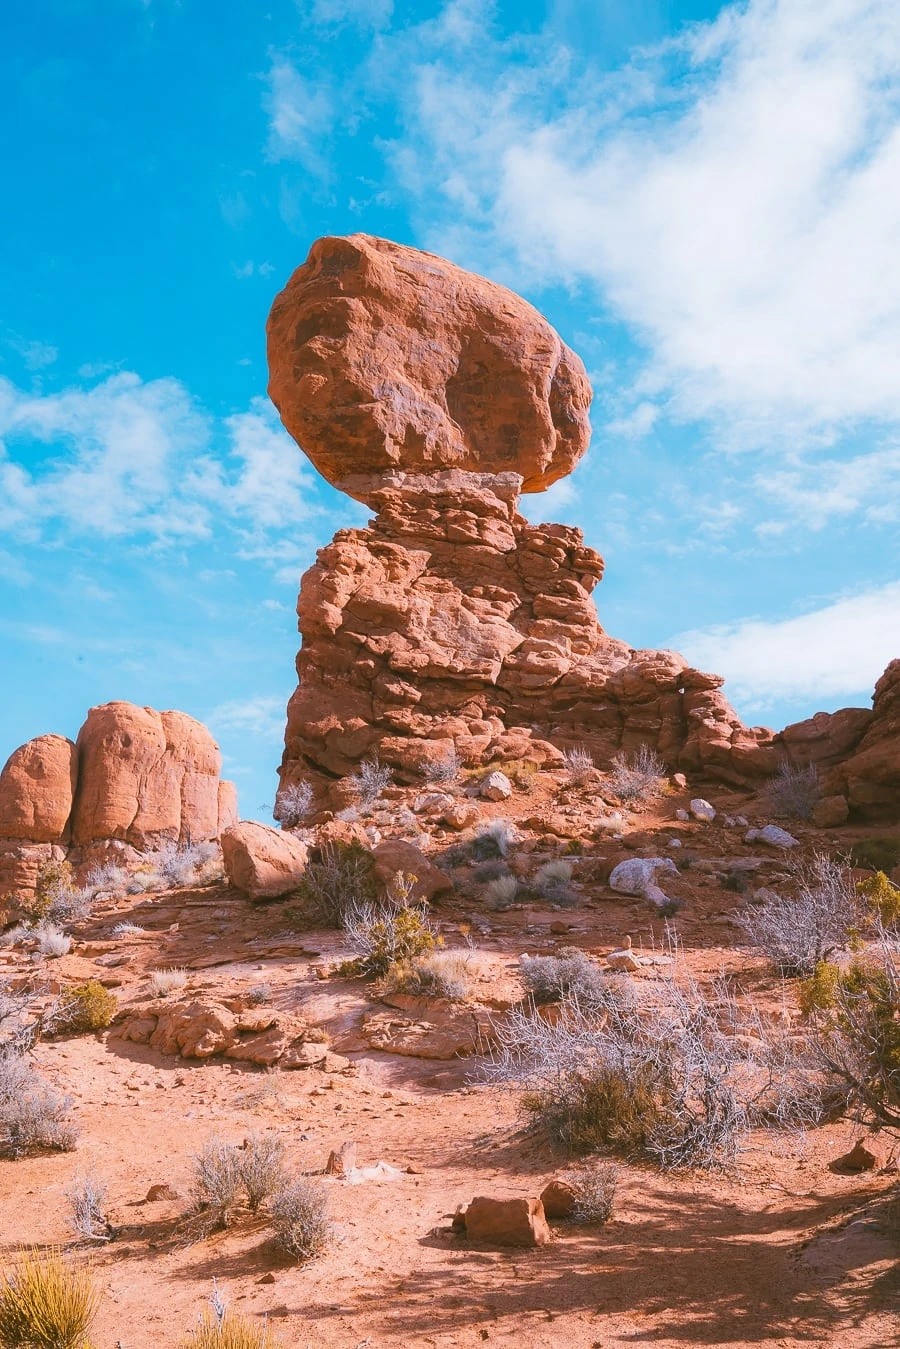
(135, 779)
(382, 357)
(437, 397)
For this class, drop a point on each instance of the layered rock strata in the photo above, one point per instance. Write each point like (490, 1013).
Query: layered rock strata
(134, 780)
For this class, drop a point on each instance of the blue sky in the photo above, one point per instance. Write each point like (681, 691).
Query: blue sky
(702, 198)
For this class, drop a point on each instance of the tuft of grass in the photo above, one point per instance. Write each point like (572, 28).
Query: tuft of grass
(492, 840)
(164, 982)
(52, 941)
(636, 777)
(552, 881)
(46, 1303)
(128, 930)
(229, 1331)
(501, 892)
(439, 974)
(299, 1215)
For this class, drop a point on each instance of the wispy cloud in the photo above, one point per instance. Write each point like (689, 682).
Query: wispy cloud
(838, 650)
(262, 716)
(300, 116)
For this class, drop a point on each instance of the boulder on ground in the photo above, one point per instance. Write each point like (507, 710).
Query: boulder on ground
(637, 876)
(496, 787)
(263, 862)
(830, 812)
(559, 1199)
(773, 835)
(702, 810)
(506, 1222)
(861, 1157)
(397, 856)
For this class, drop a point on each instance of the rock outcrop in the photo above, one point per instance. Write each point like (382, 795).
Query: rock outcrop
(437, 398)
(135, 780)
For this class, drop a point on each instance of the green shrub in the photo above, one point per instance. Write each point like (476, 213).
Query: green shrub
(46, 1304)
(876, 854)
(342, 879)
(55, 892)
(87, 1007)
(385, 937)
(882, 897)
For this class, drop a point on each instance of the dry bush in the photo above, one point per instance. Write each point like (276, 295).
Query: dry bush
(799, 932)
(299, 1216)
(662, 1071)
(370, 781)
(636, 777)
(262, 1168)
(439, 974)
(108, 877)
(595, 1183)
(293, 804)
(445, 771)
(46, 1303)
(128, 930)
(579, 765)
(570, 974)
(33, 1116)
(338, 883)
(793, 792)
(84, 1008)
(500, 892)
(52, 941)
(216, 1184)
(229, 1332)
(181, 864)
(164, 982)
(854, 1018)
(382, 937)
(87, 1208)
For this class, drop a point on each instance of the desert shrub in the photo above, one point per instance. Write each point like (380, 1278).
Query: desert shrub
(579, 765)
(876, 854)
(793, 792)
(446, 770)
(293, 804)
(299, 1216)
(229, 1331)
(259, 994)
(107, 877)
(881, 898)
(262, 1169)
(339, 882)
(33, 1116)
(636, 777)
(87, 1209)
(216, 1183)
(382, 937)
(52, 941)
(500, 892)
(595, 1183)
(660, 1072)
(571, 974)
(128, 930)
(439, 974)
(552, 881)
(164, 982)
(799, 932)
(54, 890)
(180, 864)
(492, 840)
(86, 1007)
(46, 1303)
(370, 781)
(854, 1018)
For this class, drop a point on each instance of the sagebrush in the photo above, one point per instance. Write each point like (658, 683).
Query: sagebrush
(636, 777)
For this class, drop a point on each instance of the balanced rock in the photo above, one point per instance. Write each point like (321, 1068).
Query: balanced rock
(263, 862)
(382, 357)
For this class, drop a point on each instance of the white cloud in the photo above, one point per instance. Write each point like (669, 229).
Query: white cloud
(835, 651)
(131, 459)
(262, 716)
(362, 13)
(637, 424)
(731, 194)
(300, 116)
(868, 484)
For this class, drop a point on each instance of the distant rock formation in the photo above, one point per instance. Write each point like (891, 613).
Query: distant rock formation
(134, 780)
(437, 397)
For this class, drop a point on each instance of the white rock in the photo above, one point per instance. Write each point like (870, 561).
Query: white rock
(682, 815)
(772, 834)
(764, 895)
(623, 960)
(432, 803)
(496, 787)
(636, 875)
(741, 821)
(674, 842)
(702, 810)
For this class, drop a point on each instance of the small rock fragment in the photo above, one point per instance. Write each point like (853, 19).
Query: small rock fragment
(496, 787)
(861, 1157)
